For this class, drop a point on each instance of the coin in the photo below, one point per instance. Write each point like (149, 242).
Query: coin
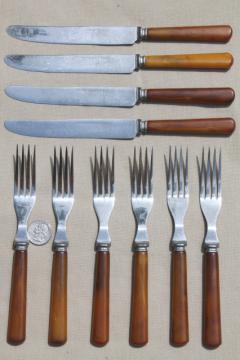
(39, 232)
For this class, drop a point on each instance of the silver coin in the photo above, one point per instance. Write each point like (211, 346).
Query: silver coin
(39, 232)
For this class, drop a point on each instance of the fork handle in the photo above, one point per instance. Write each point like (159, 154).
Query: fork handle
(139, 304)
(57, 334)
(179, 302)
(18, 299)
(211, 301)
(100, 307)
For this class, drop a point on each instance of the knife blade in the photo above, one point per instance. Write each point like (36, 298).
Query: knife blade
(119, 96)
(119, 128)
(118, 64)
(122, 35)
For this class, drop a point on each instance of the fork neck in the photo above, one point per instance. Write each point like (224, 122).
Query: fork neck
(21, 239)
(60, 242)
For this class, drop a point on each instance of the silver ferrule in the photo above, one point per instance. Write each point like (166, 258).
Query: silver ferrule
(210, 248)
(178, 248)
(142, 127)
(140, 61)
(102, 247)
(142, 33)
(142, 95)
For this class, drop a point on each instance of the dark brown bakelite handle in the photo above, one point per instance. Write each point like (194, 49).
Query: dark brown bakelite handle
(212, 61)
(210, 34)
(139, 305)
(207, 127)
(211, 301)
(100, 307)
(179, 300)
(57, 334)
(204, 96)
(18, 299)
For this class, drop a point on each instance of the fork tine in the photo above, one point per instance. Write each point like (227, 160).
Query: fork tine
(72, 174)
(208, 176)
(181, 174)
(140, 173)
(214, 175)
(170, 173)
(65, 170)
(112, 170)
(33, 171)
(54, 173)
(145, 175)
(150, 184)
(16, 168)
(219, 175)
(135, 173)
(175, 175)
(28, 171)
(202, 176)
(22, 172)
(60, 173)
(186, 174)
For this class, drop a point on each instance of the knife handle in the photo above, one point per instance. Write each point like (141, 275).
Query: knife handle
(204, 96)
(100, 307)
(179, 302)
(57, 334)
(207, 127)
(210, 34)
(18, 299)
(212, 61)
(211, 301)
(139, 305)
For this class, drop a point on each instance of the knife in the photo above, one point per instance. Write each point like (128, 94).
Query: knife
(120, 128)
(102, 35)
(118, 64)
(119, 96)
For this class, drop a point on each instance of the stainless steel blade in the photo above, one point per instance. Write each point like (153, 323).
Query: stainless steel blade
(98, 35)
(89, 128)
(89, 96)
(108, 64)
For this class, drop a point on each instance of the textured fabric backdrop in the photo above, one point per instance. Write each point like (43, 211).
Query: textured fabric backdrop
(82, 227)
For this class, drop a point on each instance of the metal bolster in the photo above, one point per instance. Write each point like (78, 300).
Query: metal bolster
(211, 242)
(141, 242)
(21, 241)
(142, 33)
(179, 241)
(103, 241)
(140, 59)
(142, 95)
(60, 242)
(142, 127)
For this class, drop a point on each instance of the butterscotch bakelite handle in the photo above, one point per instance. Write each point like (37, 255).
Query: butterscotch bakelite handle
(179, 301)
(100, 307)
(57, 334)
(210, 34)
(211, 301)
(203, 127)
(212, 61)
(193, 96)
(18, 299)
(139, 305)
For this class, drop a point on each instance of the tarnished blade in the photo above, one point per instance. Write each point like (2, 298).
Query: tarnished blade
(90, 96)
(107, 64)
(98, 35)
(74, 128)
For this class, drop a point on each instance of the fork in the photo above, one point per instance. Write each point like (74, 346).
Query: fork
(103, 201)
(62, 201)
(24, 200)
(142, 200)
(211, 202)
(178, 199)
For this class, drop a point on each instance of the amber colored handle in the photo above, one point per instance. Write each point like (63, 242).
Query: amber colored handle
(217, 61)
(18, 299)
(211, 301)
(210, 34)
(207, 127)
(139, 305)
(100, 308)
(179, 300)
(57, 334)
(196, 96)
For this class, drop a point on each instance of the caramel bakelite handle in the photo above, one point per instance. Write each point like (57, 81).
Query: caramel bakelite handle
(197, 127)
(210, 34)
(139, 305)
(18, 299)
(204, 96)
(179, 301)
(57, 334)
(214, 61)
(100, 307)
(211, 301)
